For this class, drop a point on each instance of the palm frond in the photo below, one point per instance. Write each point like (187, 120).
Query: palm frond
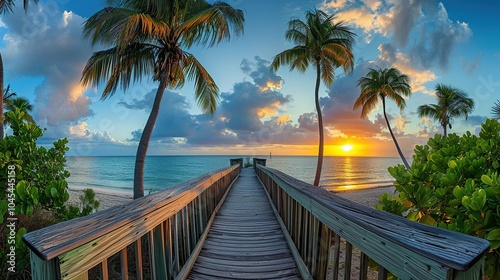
(212, 25)
(384, 83)
(495, 110)
(116, 67)
(206, 91)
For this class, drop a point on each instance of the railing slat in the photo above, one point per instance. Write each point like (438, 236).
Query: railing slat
(407, 249)
(336, 257)
(157, 237)
(74, 247)
(124, 263)
(104, 269)
(348, 261)
(138, 258)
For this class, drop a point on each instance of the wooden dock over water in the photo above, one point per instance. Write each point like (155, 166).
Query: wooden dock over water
(257, 223)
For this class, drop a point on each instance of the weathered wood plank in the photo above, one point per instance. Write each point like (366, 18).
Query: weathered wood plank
(55, 240)
(245, 240)
(412, 250)
(184, 273)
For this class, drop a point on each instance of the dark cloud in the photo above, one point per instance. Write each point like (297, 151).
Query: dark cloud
(174, 119)
(437, 38)
(308, 121)
(248, 104)
(338, 105)
(474, 120)
(240, 117)
(404, 16)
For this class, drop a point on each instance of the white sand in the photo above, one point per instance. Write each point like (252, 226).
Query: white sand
(368, 197)
(107, 199)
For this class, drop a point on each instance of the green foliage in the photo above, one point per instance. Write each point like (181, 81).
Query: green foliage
(454, 183)
(87, 205)
(33, 190)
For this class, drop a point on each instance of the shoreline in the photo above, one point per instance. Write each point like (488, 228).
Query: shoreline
(109, 198)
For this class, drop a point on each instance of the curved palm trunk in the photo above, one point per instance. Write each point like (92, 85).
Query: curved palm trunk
(1, 99)
(142, 149)
(319, 166)
(394, 138)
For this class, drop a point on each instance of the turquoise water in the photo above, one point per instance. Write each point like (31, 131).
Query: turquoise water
(162, 172)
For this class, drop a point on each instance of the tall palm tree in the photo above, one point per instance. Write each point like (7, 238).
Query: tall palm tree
(384, 83)
(22, 104)
(150, 38)
(324, 44)
(6, 6)
(452, 103)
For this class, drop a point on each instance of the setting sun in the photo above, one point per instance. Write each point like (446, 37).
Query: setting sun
(347, 148)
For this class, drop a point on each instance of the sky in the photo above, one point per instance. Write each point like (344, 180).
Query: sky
(450, 42)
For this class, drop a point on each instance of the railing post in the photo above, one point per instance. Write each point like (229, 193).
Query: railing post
(261, 161)
(44, 270)
(234, 161)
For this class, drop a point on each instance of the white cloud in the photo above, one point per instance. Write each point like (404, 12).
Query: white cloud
(45, 42)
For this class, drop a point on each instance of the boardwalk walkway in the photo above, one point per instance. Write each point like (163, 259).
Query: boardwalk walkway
(245, 240)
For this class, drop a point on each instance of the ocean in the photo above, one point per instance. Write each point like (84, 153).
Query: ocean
(116, 173)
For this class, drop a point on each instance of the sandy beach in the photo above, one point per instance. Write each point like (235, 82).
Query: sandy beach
(368, 197)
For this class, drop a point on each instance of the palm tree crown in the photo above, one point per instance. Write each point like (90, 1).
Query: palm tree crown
(150, 38)
(383, 84)
(324, 44)
(452, 103)
(22, 104)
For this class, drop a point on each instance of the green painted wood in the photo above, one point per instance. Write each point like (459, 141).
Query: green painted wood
(475, 272)
(44, 270)
(390, 240)
(157, 252)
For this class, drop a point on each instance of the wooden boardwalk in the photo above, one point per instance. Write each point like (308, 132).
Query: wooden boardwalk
(245, 240)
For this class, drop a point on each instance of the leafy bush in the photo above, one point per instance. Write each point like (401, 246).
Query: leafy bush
(33, 190)
(454, 183)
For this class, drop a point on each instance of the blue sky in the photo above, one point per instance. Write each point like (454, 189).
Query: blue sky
(450, 42)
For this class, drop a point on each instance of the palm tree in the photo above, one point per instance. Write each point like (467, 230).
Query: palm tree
(22, 104)
(6, 6)
(496, 110)
(324, 44)
(150, 38)
(384, 83)
(452, 103)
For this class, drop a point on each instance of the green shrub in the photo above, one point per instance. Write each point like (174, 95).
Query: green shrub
(33, 190)
(454, 183)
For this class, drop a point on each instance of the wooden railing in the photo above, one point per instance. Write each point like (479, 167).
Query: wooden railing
(156, 235)
(321, 225)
